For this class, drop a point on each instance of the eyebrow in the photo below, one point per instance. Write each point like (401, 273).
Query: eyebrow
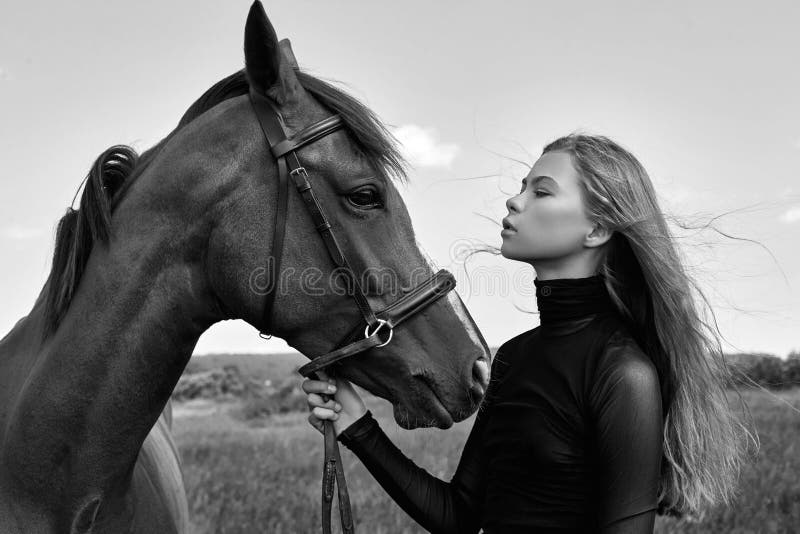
(536, 179)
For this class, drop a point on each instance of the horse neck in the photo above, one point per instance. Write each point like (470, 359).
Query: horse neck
(103, 377)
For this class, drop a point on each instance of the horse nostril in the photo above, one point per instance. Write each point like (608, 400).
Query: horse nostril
(480, 372)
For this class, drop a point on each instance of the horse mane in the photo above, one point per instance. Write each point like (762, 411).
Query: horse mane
(118, 166)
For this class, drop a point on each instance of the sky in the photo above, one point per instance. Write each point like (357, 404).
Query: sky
(705, 94)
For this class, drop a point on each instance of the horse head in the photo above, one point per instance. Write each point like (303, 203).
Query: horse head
(435, 370)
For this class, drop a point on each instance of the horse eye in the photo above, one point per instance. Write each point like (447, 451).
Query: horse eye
(365, 198)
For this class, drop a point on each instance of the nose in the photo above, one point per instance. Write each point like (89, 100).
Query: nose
(480, 376)
(511, 204)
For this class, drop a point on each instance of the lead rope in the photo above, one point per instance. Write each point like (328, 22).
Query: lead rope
(333, 474)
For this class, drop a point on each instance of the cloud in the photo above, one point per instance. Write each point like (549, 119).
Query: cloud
(422, 148)
(16, 232)
(791, 215)
(675, 194)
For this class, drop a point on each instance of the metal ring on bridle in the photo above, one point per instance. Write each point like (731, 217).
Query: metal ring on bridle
(381, 323)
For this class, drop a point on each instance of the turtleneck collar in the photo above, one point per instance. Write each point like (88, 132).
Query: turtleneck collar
(568, 304)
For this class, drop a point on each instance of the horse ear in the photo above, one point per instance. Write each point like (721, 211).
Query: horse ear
(265, 66)
(288, 54)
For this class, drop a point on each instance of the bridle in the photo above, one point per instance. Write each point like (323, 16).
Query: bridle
(284, 150)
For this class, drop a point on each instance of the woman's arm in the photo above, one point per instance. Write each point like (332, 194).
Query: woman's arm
(626, 405)
(438, 506)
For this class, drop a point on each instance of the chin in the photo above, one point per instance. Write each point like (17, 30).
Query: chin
(509, 254)
(409, 421)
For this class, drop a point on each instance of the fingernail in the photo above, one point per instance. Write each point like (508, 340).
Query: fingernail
(337, 406)
(336, 416)
(331, 388)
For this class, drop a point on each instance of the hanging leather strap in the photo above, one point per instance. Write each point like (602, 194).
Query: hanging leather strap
(271, 125)
(334, 472)
(300, 177)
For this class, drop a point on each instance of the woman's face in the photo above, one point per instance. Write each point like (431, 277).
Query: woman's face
(546, 221)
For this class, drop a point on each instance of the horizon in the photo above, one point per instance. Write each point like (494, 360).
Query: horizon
(492, 349)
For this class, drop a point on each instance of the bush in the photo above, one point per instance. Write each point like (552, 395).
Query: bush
(765, 370)
(792, 368)
(221, 383)
(284, 398)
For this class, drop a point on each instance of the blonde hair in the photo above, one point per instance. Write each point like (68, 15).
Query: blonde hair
(705, 444)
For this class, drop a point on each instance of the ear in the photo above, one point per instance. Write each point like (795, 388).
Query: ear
(598, 236)
(267, 71)
(288, 54)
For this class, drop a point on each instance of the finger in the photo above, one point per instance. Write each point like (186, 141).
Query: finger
(345, 392)
(318, 400)
(314, 386)
(324, 413)
(337, 382)
(315, 400)
(323, 401)
(318, 386)
(329, 379)
(316, 423)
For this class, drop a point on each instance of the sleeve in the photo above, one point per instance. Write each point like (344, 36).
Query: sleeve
(438, 506)
(627, 417)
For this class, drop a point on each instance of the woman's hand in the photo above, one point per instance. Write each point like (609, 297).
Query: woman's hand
(343, 409)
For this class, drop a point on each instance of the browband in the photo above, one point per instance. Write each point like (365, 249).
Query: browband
(307, 136)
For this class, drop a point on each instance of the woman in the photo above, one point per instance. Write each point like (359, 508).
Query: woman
(611, 410)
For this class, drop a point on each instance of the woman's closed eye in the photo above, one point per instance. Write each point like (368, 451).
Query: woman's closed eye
(536, 192)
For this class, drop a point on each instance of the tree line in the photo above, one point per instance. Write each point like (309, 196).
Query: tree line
(765, 370)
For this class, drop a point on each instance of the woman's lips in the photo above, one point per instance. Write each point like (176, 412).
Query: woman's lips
(508, 228)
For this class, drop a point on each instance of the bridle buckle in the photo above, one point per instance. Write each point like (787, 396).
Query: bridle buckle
(381, 324)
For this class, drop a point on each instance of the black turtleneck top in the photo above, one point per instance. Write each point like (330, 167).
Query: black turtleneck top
(568, 437)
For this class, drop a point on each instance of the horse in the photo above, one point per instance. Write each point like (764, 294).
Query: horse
(165, 244)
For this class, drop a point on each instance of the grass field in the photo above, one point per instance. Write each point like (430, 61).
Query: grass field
(243, 477)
